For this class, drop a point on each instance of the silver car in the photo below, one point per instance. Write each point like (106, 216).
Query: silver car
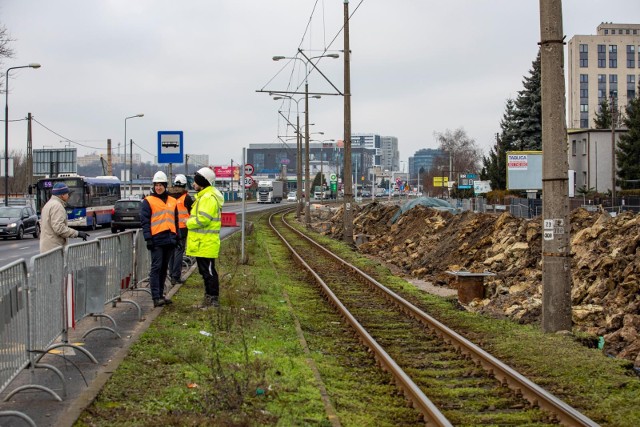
(291, 197)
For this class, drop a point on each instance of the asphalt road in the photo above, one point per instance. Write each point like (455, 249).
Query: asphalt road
(12, 249)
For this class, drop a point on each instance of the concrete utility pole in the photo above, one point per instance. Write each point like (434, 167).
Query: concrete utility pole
(613, 152)
(556, 262)
(109, 159)
(29, 150)
(348, 195)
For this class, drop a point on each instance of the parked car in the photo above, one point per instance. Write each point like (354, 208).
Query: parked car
(291, 197)
(16, 221)
(125, 214)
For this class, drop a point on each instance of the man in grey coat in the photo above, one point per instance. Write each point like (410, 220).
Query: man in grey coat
(54, 230)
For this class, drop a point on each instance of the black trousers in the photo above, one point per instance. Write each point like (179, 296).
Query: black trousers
(207, 269)
(158, 274)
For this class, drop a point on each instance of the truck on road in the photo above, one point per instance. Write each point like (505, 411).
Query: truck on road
(270, 191)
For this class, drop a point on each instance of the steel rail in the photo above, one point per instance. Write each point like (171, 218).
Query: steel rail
(420, 401)
(535, 394)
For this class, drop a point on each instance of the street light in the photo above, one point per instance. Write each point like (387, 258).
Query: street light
(6, 130)
(307, 211)
(130, 155)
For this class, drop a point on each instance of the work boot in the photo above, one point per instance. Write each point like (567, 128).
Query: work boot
(159, 302)
(209, 302)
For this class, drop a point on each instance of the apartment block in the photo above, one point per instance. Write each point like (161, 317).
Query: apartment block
(602, 67)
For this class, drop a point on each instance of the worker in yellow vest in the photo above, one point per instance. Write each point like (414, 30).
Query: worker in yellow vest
(180, 193)
(203, 240)
(159, 220)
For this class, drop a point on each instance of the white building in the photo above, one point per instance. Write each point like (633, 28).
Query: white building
(590, 158)
(602, 66)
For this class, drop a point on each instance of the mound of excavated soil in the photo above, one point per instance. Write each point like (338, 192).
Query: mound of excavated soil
(424, 243)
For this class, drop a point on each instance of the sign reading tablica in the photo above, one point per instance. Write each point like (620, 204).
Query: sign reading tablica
(517, 161)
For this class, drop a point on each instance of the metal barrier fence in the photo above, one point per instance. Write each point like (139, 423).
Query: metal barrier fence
(41, 301)
(142, 261)
(14, 326)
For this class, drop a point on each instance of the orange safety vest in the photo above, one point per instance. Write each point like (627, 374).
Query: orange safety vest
(183, 213)
(162, 214)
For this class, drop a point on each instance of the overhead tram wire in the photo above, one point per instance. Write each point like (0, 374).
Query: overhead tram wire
(64, 137)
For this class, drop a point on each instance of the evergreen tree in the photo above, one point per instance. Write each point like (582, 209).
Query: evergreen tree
(603, 116)
(495, 165)
(528, 111)
(628, 151)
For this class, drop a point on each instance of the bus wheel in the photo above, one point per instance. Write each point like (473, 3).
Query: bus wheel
(93, 223)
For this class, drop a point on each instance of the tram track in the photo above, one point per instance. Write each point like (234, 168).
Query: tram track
(465, 384)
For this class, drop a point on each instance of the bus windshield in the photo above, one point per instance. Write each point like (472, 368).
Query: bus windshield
(44, 187)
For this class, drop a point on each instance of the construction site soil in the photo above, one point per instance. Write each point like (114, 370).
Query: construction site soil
(424, 243)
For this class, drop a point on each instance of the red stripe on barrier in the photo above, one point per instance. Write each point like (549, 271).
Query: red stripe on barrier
(229, 219)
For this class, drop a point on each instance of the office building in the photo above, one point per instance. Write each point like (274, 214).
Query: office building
(602, 67)
(384, 148)
(389, 154)
(424, 160)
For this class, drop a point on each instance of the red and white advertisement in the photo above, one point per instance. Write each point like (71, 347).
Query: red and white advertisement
(517, 162)
(227, 172)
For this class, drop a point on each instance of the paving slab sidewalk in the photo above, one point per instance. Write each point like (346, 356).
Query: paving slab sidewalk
(83, 378)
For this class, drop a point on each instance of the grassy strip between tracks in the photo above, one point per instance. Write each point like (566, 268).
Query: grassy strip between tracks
(244, 364)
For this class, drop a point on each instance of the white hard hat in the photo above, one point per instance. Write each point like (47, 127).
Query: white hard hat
(208, 174)
(160, 177)
(180, 180)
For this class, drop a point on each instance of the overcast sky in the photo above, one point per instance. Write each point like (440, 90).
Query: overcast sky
(417, 67)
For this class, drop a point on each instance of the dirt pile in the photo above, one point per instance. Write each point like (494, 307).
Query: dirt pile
(425, 243)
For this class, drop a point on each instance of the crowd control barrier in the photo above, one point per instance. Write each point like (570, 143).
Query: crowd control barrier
(14, 324)
(40, 302)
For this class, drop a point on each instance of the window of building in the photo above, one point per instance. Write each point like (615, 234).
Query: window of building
(613, 56)
(584, 179)
(584, 108)
(602, 56)
(573, 147)
(631, 56)
(584, 93)
(584, 78)
(627, 31)
(584, 147)
(584, 123)
(606, 32)
(613, 78)
(602, 78)
(584, 48)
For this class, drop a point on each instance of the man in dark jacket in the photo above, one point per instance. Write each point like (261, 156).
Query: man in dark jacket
(159, 220)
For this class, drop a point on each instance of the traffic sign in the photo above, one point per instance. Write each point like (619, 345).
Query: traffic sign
(248, 169)
(248, 181)
(333, 177)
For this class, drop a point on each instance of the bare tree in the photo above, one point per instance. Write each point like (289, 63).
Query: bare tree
(5, 49)
(462, 153)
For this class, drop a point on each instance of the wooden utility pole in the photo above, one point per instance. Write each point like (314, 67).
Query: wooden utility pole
(348, 195)
(556, 262)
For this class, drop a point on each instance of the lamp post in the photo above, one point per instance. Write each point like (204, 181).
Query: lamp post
(307, 184)
(130, 154)
(6, 130)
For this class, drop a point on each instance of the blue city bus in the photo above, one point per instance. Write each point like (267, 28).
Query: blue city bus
(91, 201)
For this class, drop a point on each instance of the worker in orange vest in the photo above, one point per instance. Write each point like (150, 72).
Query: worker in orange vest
(159, 220)
(180, 193)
